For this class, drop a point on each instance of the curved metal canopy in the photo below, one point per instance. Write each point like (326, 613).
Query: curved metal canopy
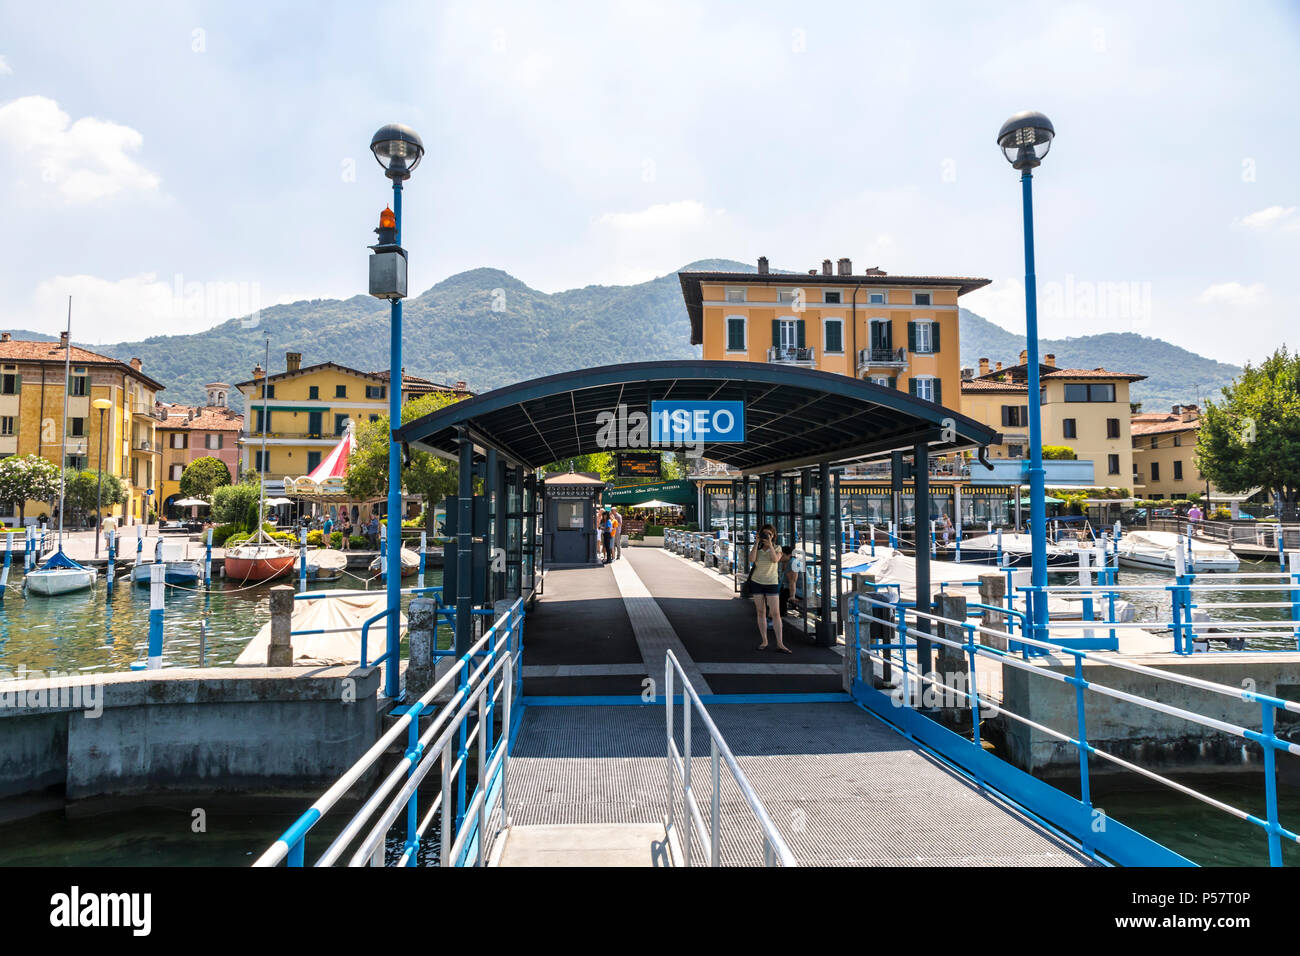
(793, 416)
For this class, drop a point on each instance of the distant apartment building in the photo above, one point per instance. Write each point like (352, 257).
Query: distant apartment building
(308, 409)
(896, 331)
(32, 423)
(188, 432)
(1085, 410)
(1164, 453)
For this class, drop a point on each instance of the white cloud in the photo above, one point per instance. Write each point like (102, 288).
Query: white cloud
(1282, 217)
(136, 307)
(5, 68)
(639, 243)
(1234, 295)
(1002, 302)
(84, 161)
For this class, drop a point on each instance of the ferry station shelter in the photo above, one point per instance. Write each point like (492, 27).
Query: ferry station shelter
(798, 427)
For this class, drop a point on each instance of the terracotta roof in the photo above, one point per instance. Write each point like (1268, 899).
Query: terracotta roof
(208, 419)
(408, 381)
(986, 385)
(1092, 373)
(53, 353)
(1168, 425)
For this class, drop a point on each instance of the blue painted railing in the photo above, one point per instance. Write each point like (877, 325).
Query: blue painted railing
(487, 679)
(1111, 840)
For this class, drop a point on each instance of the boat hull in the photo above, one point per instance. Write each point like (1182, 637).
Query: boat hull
(257, 569)
(59, 581)
(1156, 562)
(174, 572)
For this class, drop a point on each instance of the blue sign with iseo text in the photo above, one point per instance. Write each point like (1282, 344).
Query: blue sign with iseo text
(685, 423)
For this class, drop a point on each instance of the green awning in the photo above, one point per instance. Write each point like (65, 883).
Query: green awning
(1047, 498)
(680, 492)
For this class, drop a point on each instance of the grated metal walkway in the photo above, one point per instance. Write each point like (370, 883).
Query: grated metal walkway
(842, 787)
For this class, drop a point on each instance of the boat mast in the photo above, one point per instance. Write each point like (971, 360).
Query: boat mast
(261, 481)
(63, 428)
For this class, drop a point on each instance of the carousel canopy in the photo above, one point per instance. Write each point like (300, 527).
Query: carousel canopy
(327, 478)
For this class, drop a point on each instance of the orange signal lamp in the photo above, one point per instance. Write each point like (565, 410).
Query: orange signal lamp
(387, 219)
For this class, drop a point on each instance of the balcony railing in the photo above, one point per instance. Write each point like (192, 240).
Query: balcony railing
(148, 411)
(881, 358)
(792, 356)
(254, 436)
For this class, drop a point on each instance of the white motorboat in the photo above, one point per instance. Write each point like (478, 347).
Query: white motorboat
(326, 564)
(176, 569)
(1157, 550)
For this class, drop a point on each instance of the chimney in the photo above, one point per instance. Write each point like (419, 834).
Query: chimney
(1177, 409)
(967, 374)
(875, 271)
(1024, 356)
(258, 373)
(461, 387)
(63, 340)
(5, 337)
(1049, 359)
(846, 267)
(998, 367)
(826, 267)
(136, 364)
(292, 361)
(984, 366)
(762, 265)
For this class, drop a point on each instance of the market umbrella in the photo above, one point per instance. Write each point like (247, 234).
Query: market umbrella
(190, 503)
(655, 503)
(276, 502)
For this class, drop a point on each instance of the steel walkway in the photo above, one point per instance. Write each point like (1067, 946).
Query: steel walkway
(841, 786)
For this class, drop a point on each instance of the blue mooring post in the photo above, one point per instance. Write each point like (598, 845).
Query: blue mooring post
(871, 528)
(139, 546)
(157, 551)
(9, 559)
(302, 559)
(110, 572)
(156, 588)
(1295, 594)
(383, 552)
(207, 560)
(29, 547)
(424, 548)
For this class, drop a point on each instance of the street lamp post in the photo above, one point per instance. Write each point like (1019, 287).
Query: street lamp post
(399, 150)
(1025, 139)
(103, 404)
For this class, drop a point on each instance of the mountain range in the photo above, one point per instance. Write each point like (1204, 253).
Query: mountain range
(488, 329)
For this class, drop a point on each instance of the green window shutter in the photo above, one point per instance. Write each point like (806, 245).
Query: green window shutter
(938, 392)
(799, 323)
(911, 339)
(834, 337)
(911, 386)
(934, 339)
(893, 382)
(776, 333)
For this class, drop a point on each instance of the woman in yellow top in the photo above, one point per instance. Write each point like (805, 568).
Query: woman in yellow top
(765, 585)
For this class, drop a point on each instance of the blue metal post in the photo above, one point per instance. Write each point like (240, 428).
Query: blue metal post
(111, 571)
(302, 559)
(1295, 594)
(393, 579)
(29, 549)
(9, 560)
(155, 619)
(139, 546)
(1037, 476)
(207, 559)
(424, 549)
(1270, 784)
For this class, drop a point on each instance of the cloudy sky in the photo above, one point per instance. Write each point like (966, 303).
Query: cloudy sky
(149, 152)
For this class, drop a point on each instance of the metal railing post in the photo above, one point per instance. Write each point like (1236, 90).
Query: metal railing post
(1270, 784)
(672, 771)
(686, 772)
(716, 803)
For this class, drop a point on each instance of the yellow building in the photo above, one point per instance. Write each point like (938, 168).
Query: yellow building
(31, 411)
(897, 331)
(188, 432)
(1086, 410)
(1164, 453)
(308, 409)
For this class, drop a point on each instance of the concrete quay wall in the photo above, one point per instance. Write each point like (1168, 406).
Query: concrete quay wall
(1148, 738)
(192, 730)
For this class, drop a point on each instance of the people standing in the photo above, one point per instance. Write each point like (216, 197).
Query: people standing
(327, 526)
(345, 532)
(107, 526)
(765, 586)
(606, 528)
(617, 532)
(372, 532)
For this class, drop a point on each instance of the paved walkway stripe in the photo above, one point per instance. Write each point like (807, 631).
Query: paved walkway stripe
(654, 635)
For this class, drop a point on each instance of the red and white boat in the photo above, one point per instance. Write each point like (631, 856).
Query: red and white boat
(259, 559)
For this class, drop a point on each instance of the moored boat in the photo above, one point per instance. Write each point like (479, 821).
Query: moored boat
(1157, 550)
(258, 560)
(326, 564)
(410, 563)
(59, 575)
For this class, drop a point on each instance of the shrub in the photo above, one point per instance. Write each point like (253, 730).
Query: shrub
(235, 539)
(336, 539)
(314, 538)
(221, 533)
(284, 537)
(1058, 453)
(233, 504)
(358, 541)
(654, 530)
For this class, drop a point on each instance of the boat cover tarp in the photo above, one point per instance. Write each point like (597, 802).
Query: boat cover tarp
(1166, 542)
(60, 560)
(326, 649)
(326, 559)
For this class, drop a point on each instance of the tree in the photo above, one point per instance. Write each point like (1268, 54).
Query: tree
(82, 489)
(600, 462)
(203, 476)
(26, 478)
(426, 474)
(1058, 453)
(237, 505)
(1251, 437)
